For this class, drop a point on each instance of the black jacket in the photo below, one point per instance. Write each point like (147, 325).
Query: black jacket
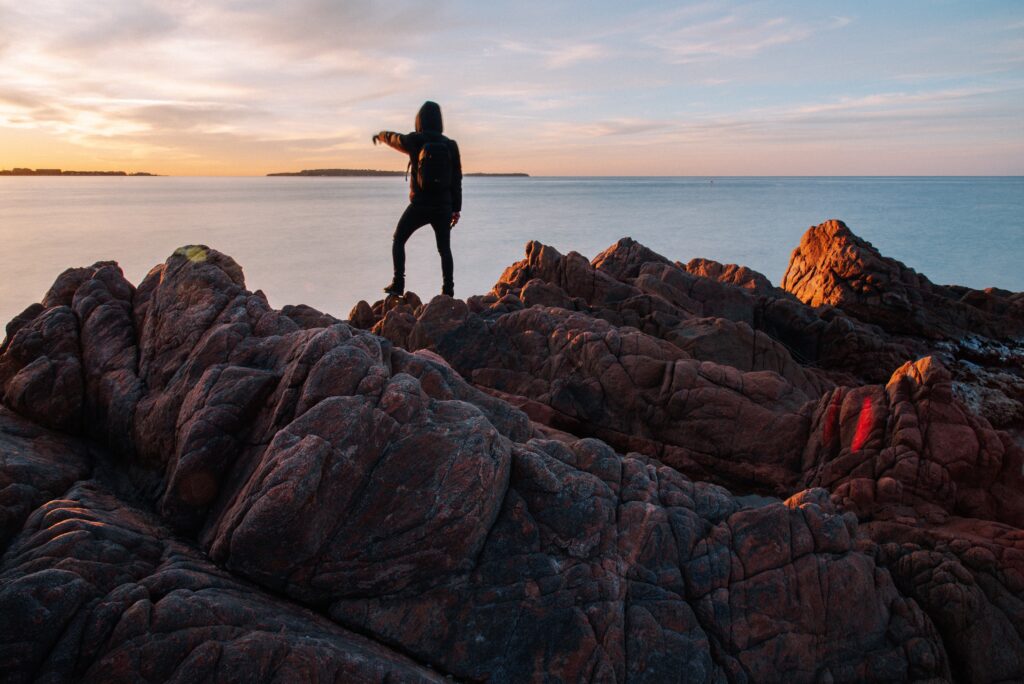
(429, 127)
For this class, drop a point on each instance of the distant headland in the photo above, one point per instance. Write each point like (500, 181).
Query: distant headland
(59, 172)
(376, 172)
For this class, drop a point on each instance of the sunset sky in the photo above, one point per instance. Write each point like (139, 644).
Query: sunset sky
(221, 87)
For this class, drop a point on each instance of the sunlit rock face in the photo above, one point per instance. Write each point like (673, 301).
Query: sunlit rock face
(978, 333)
(625, 469)
(911, 445)
(833, 266)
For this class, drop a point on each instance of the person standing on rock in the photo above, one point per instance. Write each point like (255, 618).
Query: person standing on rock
(435, 192)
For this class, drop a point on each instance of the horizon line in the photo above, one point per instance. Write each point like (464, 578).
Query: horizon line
(130, 174)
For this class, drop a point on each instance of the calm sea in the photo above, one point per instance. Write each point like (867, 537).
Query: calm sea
(326, 241)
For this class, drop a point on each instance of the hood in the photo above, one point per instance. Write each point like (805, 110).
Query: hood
(429, 118)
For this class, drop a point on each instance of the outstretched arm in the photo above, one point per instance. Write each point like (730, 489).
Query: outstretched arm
(396, 140)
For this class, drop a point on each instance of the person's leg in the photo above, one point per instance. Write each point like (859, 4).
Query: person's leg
(412, 219)
(441, 222)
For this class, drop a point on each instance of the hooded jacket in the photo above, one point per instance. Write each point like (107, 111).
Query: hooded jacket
(429, 128)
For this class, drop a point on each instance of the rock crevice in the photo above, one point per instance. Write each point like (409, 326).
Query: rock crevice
(531, 483)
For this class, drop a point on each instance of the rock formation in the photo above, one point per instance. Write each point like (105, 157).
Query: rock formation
(833, 266)
(527, 485)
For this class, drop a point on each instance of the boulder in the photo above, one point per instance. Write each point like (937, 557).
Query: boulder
(36, 465)
(95, 590)
(833, 266)
(913, 445)
(633, 390)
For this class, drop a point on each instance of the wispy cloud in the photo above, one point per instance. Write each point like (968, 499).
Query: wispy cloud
(623, 127)
(906, 117)
(893, 100)
(113, 25)
(190, 71)
(557, 56)
(308, 27)
(524, 99)
(247, 84)
(733, 34)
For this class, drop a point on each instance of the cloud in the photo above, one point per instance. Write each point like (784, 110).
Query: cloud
(736, 34)
(115, 25)
(191, 117)
(524, 100)
(574, 54)
(265, 70)
(936, 117)
(557, 56)
(23, 108)
(311, 27)
(265, 80)
(926, 119)
(890, 101)
(7, 20)
(294, 27)
(18, 98)
(627, 126)
(583, 134)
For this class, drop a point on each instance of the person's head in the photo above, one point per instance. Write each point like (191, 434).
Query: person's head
(429, 118)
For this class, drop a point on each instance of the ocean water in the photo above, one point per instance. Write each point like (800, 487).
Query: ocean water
(326, 241)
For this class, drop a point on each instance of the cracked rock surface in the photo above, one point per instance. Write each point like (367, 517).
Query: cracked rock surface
(625, 469)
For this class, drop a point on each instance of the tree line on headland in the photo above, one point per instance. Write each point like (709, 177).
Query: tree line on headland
(58, 172)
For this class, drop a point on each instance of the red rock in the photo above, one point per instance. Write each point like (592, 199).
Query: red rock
(913, 444)
(36, 465)
(969, 578)
(659, 579)
(708, 315)
(41, 370)
(631, 389)
(364, 487)
(307, 317)
(833, 266)
(741, 276)
(361, 316)
(94, 590)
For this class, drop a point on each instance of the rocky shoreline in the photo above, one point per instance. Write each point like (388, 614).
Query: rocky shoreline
(619, 469)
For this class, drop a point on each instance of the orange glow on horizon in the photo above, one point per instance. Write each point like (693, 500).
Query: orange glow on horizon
(227, 89)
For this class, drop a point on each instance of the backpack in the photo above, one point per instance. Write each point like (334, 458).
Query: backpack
(434, 168)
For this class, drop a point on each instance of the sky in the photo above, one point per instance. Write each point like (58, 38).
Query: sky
(232, 87)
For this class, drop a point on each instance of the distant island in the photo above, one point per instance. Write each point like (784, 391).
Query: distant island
(517, 174)
(59, 172)
(377, 172)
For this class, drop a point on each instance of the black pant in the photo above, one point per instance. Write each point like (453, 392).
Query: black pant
(415, 217)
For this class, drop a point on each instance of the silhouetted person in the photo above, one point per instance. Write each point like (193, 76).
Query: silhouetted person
(435, 191)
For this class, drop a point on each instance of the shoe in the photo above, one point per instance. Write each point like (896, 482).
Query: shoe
(448, 290)
(397, 287)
